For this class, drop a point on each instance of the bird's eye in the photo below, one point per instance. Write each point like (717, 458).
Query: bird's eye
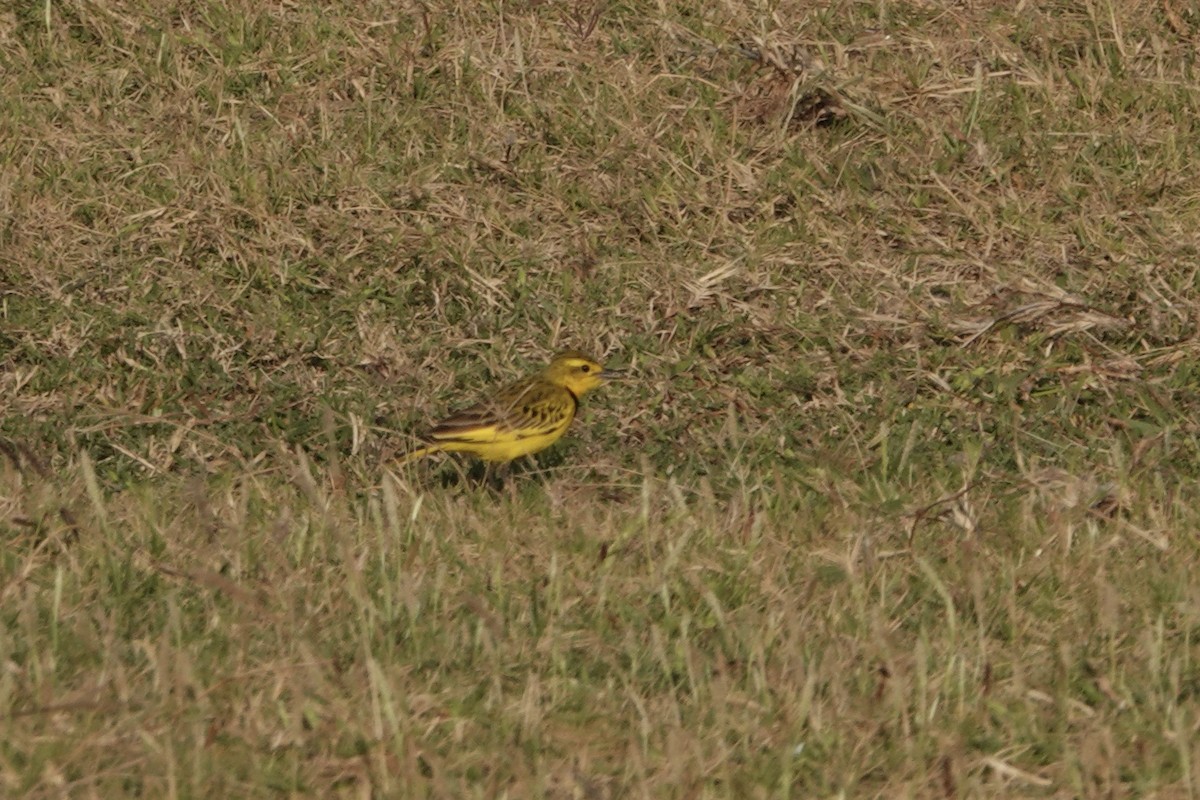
(585, 367)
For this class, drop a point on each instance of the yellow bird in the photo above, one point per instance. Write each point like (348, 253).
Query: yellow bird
(522, 418)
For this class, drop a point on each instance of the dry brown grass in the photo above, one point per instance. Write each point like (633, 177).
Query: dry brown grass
(903, 504)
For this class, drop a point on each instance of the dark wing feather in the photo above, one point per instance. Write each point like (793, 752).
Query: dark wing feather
(531, 407)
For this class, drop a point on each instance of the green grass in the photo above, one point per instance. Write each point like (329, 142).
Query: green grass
(903, 503)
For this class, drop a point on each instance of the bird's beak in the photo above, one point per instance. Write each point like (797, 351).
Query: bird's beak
(615, 374)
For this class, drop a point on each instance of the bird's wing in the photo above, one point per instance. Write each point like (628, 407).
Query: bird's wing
(524, 409)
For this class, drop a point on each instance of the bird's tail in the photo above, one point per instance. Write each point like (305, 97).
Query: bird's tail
(420, 452)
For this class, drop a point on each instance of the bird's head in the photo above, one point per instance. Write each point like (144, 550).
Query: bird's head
(577, 373)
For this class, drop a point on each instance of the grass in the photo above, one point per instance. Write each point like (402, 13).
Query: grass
(903, 504)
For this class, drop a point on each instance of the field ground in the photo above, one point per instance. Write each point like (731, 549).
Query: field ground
(903, 503)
